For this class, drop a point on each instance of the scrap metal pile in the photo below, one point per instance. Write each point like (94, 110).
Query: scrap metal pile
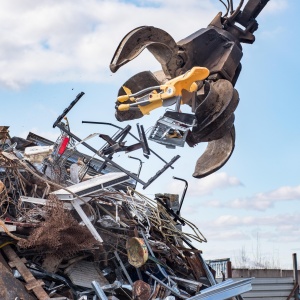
(74, 227)
(68, 232)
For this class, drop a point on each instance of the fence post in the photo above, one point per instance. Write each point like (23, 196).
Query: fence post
(296, 276)
(229, 269)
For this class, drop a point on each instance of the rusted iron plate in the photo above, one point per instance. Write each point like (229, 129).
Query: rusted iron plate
(10, 287)
(195, 266)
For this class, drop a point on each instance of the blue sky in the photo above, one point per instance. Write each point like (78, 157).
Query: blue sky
(52, 50)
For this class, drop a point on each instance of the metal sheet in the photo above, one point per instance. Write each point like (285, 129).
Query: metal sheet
(82, 273)
(225, 290)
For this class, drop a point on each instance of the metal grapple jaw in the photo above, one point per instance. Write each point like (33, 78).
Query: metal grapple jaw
(216, 48)
(157, 41)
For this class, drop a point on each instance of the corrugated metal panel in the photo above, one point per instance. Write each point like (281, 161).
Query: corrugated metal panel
(270, 289)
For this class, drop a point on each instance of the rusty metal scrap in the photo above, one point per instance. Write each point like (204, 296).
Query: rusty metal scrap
(31, 282)
(54, 251)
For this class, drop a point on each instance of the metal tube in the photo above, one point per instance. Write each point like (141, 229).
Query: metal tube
(98, 290)
(140, 168)
(123, 267)
(68, 109)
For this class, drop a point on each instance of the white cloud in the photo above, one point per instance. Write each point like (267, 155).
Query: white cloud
(272, 228)
(261, 201)
(207, 185)
(283, 222)
(74, 40)
(226, 235)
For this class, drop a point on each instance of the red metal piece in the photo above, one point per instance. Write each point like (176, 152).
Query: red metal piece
(64, 143)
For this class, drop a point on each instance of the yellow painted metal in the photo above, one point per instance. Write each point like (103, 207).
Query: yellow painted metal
(172, 88)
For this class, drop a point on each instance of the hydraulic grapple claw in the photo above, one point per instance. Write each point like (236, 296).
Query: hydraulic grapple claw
(218, 48)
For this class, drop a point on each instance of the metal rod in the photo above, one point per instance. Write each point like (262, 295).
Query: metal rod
(98, 290)
(183, 194)
(123, 267)
(166, 286)
(143, 139)
(140, 168)
(113, 125)
(68, 109)
(102, 156)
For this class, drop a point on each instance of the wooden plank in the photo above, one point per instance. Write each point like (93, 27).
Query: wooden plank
(34, 284)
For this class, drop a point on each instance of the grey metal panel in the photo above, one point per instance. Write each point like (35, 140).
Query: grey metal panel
(270, 289)
(273, 280)
(269, 293)
(275, 287)
(266, 298)
(224, 290)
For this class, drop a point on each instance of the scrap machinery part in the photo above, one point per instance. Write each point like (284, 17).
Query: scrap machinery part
(217, 48)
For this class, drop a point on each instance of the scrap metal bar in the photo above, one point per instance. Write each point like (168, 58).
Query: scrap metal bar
(183, 194)
(140, 168)
(68, 109)
(166, 166)
(107, 160)
(110, 124)
(86, 221)
(225, 290)
(32, 283)
(98, 290)
(123, 267)
(166, 286)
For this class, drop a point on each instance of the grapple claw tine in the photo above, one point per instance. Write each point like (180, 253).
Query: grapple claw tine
(220, 131)
(156, 40)
(215, 155)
